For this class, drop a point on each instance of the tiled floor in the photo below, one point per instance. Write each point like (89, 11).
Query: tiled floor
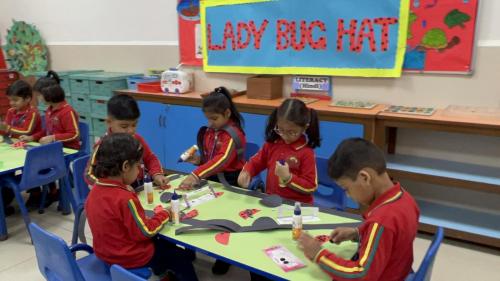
(456, 261)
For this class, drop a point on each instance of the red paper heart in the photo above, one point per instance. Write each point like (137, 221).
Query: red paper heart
(222, 238)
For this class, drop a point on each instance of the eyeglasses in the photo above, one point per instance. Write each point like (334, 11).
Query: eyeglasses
(286, 133)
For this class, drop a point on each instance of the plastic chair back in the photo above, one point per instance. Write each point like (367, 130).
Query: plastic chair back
(55, 260)
(424, 272)
(81, 187)
(328, 194)
(251, 150)
(44, 164)
(84, 138)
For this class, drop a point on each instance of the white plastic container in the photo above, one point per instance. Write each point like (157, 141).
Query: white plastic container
(176, 81)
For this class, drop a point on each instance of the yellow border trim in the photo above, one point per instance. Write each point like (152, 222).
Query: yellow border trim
(358, 72)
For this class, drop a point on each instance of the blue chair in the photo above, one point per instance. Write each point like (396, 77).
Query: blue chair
(119, 273)
(329, 194)
(81, 192)
(56, 261)
(425, 270)
(84, 139)
(256, 182)
(37, 171)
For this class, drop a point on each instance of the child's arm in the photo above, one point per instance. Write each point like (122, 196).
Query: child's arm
(139, 226)
(374, 254)
(70, 127)
(306, 179)
(152, 164)
(27, 127)
(221, 159)
(4, 125)
(89, 177)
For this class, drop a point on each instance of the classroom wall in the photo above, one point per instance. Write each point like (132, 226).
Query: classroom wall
(127, 35)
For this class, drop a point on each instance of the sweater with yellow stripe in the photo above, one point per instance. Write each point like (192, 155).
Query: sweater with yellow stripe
(61, 121)
(302, 163)
(26, 121)
(121, 231)
(386, 241)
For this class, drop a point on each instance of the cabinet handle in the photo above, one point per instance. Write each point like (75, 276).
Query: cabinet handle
(159, 120)
(164, 118)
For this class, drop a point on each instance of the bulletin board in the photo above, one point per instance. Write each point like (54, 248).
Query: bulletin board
(441, 35)
(323, 37)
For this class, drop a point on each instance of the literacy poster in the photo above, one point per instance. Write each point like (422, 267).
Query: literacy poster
(441, 35)
(190, 32)
(317, 37)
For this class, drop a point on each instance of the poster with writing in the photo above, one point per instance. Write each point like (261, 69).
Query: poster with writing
(321, 37)
(441, 35)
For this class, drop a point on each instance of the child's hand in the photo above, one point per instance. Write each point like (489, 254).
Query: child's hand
(160, 180)
(309, 245)
(188, 182)
(195, 159)
(341, 234)
(47, 139)
(282, 171)
(244, 179)
(159, 209)
(26, 138)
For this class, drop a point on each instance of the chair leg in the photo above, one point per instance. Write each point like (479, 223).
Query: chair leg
(3, 225)
(63, 199)
(22, 206)
(78, 215)
(81, 227)
(45, 192)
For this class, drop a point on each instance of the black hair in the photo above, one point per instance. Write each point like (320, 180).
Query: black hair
(295, 111)
(53, 94)
(123, 107)
(20, 88)
(51, 79)
(354, 154)
(113, 151)
(218, 101)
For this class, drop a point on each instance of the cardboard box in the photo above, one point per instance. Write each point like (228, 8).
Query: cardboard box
(265, 87)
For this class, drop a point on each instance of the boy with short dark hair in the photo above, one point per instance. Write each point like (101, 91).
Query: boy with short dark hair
(123, 115)
(391, 219)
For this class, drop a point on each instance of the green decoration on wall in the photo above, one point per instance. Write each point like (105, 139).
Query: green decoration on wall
(456, 18)
(25, 49)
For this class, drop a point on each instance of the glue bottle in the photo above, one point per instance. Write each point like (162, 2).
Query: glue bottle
(148, 188)
(297, 222)
(175, 208)
(188, 153)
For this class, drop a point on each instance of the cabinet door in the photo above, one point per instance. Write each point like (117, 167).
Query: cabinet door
(255, 127)
(151, 127)
(182, 125)
(332, 133)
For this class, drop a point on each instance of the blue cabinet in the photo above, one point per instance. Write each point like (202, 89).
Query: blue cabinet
(151, 127)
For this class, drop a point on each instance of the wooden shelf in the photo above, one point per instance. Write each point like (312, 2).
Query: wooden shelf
(258, 106)
(444, 172)
(461, 222)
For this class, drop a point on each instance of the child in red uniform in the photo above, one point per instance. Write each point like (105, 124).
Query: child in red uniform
(386, 236)
(123, 115)
(222, 143)
(21, 119)
(291, 135)
(222, 146)
(122, 234)
(61, 120)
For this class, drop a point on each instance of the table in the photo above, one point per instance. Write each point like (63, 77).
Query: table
(12, 162)
(246, 249)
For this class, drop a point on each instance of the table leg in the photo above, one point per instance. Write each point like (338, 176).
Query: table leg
(3, 225)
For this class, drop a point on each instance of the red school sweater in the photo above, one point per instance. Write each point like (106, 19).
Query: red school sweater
(62, 122)
(386, 241)
(300, 159)
(121, 232)
(26, 121)
(151, 162)
(221, 153)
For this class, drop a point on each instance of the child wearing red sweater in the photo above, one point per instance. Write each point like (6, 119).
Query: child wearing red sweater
(291, 135)
(122, 234)
(386, 236)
